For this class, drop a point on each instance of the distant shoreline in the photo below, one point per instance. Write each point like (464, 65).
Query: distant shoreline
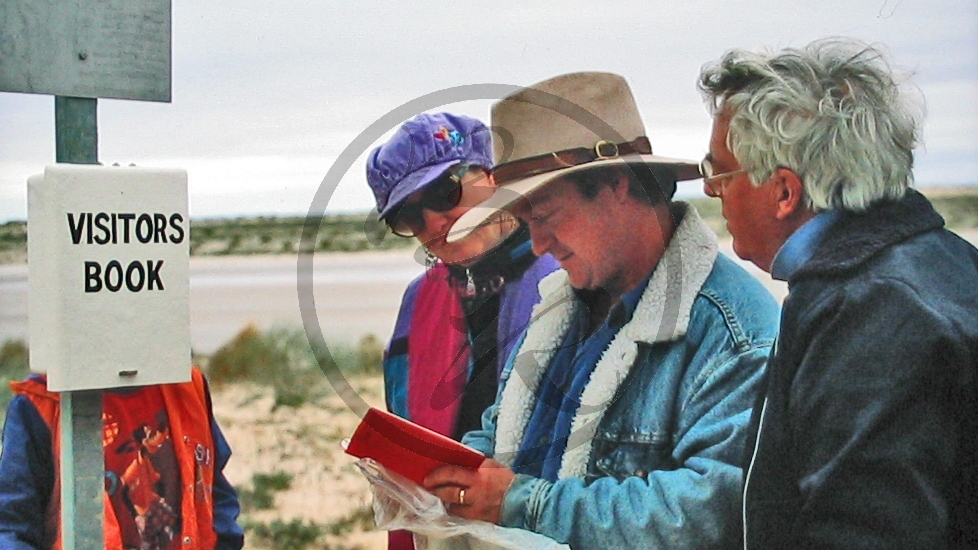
(352, 233)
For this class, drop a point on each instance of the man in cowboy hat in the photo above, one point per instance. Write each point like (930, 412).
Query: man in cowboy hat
(622, 413)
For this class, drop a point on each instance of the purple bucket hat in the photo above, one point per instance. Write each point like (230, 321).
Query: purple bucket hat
(422, 150)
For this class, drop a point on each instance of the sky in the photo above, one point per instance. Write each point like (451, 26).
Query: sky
(270, 98)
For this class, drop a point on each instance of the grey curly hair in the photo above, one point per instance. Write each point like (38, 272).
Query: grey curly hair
(833, 112)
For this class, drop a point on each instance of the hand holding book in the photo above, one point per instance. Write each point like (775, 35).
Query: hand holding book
(409, 449)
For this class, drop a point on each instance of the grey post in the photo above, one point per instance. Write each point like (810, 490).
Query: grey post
(82, 459)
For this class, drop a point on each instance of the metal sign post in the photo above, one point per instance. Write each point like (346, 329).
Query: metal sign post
(79, 51)
(82, 461)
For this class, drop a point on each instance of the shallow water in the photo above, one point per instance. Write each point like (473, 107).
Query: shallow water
(354, 295)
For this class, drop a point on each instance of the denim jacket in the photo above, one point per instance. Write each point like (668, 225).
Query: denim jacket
(653, 458)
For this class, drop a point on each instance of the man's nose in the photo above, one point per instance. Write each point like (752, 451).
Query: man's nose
(540, 239)
(708, 190)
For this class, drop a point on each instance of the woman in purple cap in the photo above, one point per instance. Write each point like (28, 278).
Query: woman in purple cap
(460, 319)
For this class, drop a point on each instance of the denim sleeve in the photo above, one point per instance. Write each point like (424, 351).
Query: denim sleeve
(484, 440)
(26, 476)
(695, 505)
(230, 536)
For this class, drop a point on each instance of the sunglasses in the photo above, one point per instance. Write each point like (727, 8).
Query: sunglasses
(442, 195)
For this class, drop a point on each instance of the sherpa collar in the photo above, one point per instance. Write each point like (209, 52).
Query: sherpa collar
(662, 315)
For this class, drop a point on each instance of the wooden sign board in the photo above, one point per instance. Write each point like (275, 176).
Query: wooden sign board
(108, 262)
(86, 48)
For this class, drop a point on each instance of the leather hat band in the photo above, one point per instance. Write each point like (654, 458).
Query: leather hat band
(558, 160)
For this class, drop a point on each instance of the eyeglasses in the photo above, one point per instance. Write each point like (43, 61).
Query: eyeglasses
(441, 195)
(712, 181)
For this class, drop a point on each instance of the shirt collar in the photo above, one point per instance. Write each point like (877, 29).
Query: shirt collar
(801, 245)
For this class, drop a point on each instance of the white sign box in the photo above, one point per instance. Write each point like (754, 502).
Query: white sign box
(107, 254)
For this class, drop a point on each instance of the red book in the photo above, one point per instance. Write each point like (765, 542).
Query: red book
(407, 448)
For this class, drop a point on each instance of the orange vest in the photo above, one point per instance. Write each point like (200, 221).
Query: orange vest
(190, 429)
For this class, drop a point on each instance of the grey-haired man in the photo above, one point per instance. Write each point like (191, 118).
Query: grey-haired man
(866, 435)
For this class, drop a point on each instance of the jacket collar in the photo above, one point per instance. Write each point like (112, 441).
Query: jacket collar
(858, 236)
(802, 245)
(662, 315)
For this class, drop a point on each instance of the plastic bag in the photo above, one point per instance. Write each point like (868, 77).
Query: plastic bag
(402, 504)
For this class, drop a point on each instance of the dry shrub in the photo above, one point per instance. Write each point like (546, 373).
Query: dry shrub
(248, 356)
(282, 358)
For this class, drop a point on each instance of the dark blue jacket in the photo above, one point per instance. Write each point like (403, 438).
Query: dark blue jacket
(869, 422)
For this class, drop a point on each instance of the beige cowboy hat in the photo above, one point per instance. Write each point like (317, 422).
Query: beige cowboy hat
(572, 122)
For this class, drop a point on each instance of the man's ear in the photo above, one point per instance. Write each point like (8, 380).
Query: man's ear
(789, 195)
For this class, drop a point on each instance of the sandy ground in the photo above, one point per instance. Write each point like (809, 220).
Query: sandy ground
(303, 442)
